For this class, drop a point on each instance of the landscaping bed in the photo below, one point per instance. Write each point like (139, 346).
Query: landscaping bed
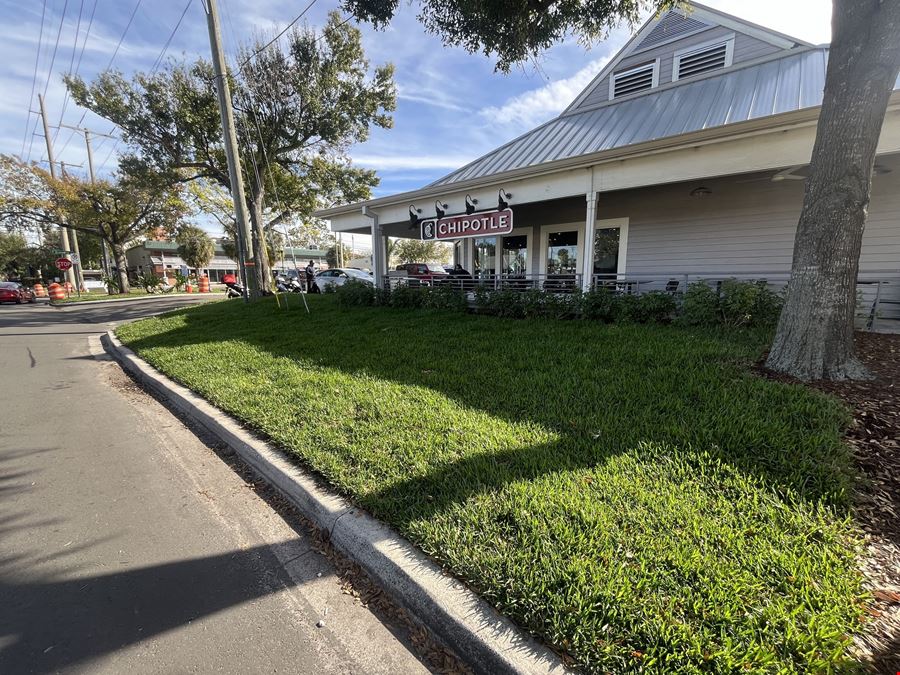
(634, 495)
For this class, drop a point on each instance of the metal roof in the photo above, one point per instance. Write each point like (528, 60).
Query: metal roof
(785, 84)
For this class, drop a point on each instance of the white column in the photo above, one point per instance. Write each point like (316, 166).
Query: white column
(590, 226)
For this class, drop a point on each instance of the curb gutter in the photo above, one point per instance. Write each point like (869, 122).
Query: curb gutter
(487, 641)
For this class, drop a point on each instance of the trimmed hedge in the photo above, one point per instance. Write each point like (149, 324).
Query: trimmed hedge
(731, 303)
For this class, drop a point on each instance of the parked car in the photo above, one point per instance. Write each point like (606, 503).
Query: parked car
(338, 277)
(424, 273)
(12, 291)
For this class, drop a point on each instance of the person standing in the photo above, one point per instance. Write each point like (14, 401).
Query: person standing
(310, 274)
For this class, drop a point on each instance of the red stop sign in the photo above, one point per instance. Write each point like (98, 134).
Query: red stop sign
(63, 264)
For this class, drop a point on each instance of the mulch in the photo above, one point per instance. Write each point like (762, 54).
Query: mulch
(874, 435)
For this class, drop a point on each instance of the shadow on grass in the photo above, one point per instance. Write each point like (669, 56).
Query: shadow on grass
(600, 389)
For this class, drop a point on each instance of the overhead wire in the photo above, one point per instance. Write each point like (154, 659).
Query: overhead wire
(162, 53)
(62, 20)
(37, 58)
(71, 65)
(274, 39)
(87, 35)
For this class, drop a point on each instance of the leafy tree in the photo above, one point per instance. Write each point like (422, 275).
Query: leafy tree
(297, 112)
(415, 250)
(195, 246)
(815, 333)
(118, 211)
(13, 248)
(331, 255)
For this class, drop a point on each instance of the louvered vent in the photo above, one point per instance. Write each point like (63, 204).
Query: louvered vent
(703, 60)
(672, 25)
(633, 80)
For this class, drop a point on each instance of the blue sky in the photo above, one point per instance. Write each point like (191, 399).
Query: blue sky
(452, 106)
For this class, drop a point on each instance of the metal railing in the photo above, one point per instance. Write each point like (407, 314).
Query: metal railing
(553, 283)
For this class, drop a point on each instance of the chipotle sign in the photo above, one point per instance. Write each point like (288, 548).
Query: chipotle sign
(484, 224)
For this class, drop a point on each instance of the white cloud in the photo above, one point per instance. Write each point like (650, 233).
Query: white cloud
(394, 162)
(538, 105)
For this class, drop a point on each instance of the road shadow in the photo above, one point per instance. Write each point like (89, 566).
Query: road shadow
(50, 624)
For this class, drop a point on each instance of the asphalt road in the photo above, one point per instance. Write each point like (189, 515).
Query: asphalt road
(128, 545)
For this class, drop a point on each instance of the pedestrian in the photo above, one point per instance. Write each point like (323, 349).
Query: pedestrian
(310, 273)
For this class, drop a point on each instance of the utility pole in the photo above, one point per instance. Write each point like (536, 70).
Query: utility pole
(63, 230)
(244, 237)
(90, 156)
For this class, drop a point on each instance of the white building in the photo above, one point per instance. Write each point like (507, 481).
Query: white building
(684, 158)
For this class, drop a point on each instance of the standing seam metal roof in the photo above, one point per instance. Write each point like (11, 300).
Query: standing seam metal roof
(793, 82)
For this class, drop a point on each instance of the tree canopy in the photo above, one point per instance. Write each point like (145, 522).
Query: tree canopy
(195, 246)
(298, 109)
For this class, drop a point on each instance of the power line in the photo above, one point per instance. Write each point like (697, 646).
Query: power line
(71, 64)
(162, 53)
(286, 28)
(87, 34)
(124, 33)
(62, 20)
(37, 58)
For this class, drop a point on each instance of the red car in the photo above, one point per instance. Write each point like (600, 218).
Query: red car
(426, 273)
(12, 291)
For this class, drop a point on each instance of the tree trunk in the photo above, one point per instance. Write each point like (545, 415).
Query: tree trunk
(814, 339)
(121, 267)
(262, 268)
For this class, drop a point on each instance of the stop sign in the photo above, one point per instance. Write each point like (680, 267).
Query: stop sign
(63, 264)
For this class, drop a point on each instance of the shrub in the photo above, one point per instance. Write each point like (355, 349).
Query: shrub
(445, 297)
(406, 297)
(356, 293)
(656, 307)
(700, 305)
(149, 282)
(627, 309)
(599, 304)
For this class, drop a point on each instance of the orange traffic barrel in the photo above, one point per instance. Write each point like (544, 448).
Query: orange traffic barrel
(39, 291)
(69, 288)
(188, 289)
(204, 284)
(56, 292)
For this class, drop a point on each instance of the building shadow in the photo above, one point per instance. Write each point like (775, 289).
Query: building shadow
(51, 624)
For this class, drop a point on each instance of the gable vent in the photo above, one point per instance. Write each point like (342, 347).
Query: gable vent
(634, 80)
(672, 25)
(703, 60)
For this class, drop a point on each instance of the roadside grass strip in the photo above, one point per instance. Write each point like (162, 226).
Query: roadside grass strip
(631, 494)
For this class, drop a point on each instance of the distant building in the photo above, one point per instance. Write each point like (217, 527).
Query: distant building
(161, 258)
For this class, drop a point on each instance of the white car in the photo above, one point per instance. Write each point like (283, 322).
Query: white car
(338, 277)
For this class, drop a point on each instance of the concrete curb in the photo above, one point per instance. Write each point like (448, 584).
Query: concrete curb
(487, 641)
(135, 299)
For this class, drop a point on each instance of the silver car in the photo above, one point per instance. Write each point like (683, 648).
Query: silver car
(338, 277)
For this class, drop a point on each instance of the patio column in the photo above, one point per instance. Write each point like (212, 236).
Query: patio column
(590, 223)
(379, 250)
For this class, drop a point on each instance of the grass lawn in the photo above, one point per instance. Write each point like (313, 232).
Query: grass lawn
(631, 494)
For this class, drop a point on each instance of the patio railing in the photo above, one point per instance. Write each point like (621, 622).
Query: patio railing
(554, 283)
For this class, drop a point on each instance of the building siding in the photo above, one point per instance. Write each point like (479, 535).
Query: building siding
(746, 48)
(740, 228)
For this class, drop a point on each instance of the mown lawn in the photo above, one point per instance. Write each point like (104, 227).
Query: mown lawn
(631, 494)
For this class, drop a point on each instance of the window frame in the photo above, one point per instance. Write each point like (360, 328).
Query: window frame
(654, 83)
(727, 40)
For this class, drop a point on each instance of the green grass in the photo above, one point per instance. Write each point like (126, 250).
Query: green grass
(631, 494)
(134, 294)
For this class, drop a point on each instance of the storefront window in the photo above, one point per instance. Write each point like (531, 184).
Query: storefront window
(514, 259)
(562, 252)
(485, 257)
(606, 251)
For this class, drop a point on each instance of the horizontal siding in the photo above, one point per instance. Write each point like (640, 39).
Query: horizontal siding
(746, 48)
(741, 227)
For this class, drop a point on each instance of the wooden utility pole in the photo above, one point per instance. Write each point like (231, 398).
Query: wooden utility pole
(63, 230)
(235, 176)
(90, 156)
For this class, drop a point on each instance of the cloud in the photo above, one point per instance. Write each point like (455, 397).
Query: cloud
(538, 105)
(411, 162)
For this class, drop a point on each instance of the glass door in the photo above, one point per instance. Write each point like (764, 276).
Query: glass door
(606, 251)
(562, 253)
(485, 263)
(514, 257)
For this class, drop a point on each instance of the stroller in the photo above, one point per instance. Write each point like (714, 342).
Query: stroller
(233, 288)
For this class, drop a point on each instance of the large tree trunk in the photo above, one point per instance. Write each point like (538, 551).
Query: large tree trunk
(815, 332)
(121, 267)
(262, 266)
